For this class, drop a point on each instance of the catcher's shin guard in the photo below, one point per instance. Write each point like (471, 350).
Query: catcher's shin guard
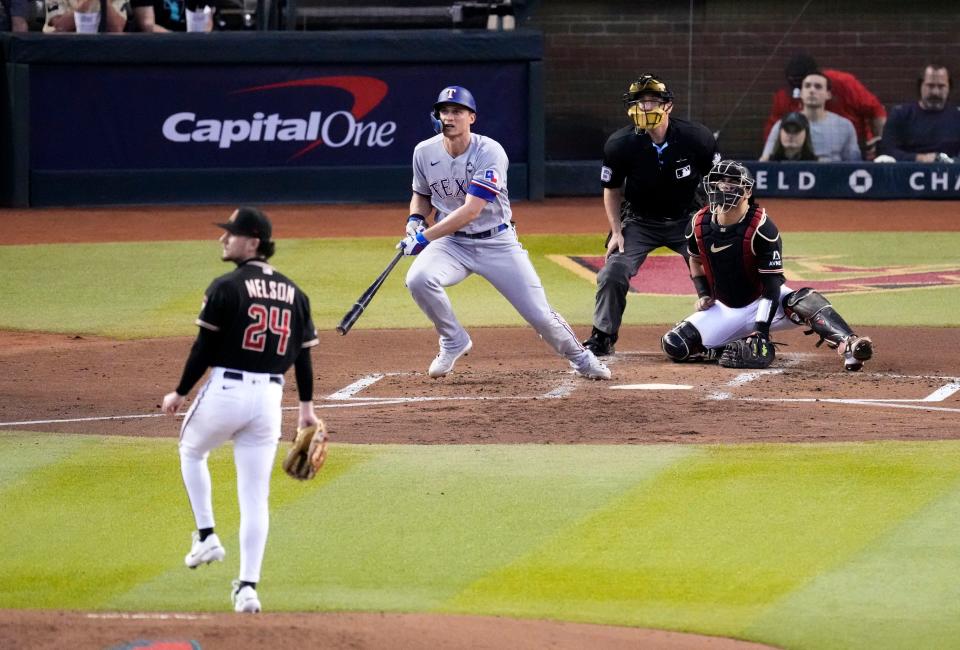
(683, 343)
(808, 307)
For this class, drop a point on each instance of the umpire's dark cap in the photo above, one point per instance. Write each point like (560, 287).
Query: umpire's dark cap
(794, 122)
(249, 222)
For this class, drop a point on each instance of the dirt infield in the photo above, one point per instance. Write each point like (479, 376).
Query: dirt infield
(372, 386)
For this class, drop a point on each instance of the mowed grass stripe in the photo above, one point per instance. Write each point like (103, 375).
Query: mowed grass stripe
(138, 290)
(415, 525)
(754, 541)
(110, 516)
(712, 544)
(901, 591)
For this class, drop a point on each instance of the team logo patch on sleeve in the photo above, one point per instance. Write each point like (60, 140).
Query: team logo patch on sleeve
(606, 174)
(491, 176)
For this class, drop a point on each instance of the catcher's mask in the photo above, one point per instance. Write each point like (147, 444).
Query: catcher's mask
(452, 95)
(726, 185)
(647, 102)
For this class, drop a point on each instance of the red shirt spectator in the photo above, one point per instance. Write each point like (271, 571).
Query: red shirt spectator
(851, 100)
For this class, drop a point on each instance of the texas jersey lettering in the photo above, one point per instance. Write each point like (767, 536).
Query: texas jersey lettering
(446, 179)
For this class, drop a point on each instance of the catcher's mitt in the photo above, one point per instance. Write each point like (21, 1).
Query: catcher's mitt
(755, 351)
(308, 453)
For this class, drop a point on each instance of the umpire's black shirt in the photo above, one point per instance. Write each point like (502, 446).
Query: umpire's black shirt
(660, 185)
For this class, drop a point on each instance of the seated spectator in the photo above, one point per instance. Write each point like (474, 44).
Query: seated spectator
(926, 130)
(16, 12)
(113, 14)
(849, 99)
(833, 137)
(172, 16)
(793, 139)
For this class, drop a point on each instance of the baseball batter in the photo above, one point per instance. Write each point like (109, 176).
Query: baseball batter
(736, 262)
(462, 177)
(254, 324)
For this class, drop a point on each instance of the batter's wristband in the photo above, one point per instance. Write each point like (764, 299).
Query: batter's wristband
(702, 286)
(416, 216)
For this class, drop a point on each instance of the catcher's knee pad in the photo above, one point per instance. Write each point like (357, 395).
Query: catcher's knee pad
(803, 304)
(682, 342)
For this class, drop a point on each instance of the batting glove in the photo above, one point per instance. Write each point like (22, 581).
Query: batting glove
(415, 223)
(413, 245)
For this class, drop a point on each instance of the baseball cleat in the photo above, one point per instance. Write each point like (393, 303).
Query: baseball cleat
(590, 367)
(445, 361)
(245, 599)
(855, 351)
(600, 343)
(205, 552)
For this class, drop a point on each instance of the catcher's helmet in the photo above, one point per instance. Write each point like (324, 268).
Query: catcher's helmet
(726, 184)
(452, 95)
(647, 87)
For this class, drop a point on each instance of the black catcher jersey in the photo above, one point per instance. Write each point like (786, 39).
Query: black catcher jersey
(733, 257)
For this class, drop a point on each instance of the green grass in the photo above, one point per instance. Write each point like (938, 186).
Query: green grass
(138, 290)
(804, 546)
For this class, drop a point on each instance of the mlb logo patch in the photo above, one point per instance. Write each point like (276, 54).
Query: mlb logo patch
(606, 174)
(491, 176)
(683, 172)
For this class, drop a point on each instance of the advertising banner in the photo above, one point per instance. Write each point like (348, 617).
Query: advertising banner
(130, 117)
(857, 180)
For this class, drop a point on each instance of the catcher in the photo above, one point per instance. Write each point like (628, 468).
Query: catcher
(736, 263)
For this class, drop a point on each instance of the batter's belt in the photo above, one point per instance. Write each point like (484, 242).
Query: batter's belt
(486, 234)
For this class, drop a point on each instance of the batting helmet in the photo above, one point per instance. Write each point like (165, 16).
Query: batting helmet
(726, 184)
(454, 95)
(647, 87)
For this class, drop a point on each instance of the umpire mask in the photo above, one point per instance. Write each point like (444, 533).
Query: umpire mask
(647, 101)
(726, 185)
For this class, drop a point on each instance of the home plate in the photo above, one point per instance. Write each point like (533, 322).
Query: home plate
(652, 387)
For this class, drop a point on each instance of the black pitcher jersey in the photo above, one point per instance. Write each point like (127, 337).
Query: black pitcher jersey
(263, 319)
(660, 182)
(733, 257)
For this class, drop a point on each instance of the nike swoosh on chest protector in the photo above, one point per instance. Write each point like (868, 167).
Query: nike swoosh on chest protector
(716, 249)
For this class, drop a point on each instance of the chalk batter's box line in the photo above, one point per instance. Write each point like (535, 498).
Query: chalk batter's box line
(567, 386)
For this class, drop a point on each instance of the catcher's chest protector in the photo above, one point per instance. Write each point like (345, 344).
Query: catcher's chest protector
(754, 217)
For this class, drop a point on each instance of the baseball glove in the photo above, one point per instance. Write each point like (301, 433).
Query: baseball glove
(755, 351)
(308, 453)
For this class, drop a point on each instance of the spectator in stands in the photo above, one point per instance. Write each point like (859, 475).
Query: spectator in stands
(171, 15)
(927, 130)
(849, 99)
(16, 11)
(833, 137)
(793, 139)
(114, 14)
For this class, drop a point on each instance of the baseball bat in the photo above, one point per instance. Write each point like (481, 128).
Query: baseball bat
(351, 316)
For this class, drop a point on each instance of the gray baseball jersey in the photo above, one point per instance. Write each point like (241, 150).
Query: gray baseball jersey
(481, 170)
(487, 246)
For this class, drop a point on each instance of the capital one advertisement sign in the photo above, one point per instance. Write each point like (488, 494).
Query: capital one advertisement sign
(187, 117)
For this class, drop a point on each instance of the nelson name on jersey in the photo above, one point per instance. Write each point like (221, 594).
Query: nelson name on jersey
(270, 290)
